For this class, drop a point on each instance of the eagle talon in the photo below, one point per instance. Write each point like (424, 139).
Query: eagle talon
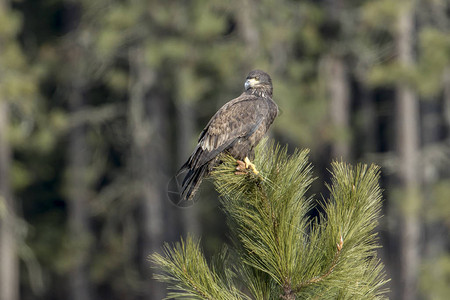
(249, 164)
(243, 167)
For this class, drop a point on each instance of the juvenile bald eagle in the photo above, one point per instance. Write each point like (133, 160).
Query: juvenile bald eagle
(236, 128)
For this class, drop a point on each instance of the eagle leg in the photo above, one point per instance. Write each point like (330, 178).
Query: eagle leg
(243, 166)
(241, 169)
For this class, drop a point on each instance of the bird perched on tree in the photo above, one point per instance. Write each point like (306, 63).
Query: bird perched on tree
(236, 129)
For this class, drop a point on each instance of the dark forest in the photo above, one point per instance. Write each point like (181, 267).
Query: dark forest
(102, 101)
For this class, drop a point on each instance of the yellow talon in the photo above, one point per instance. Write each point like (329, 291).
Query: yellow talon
(249, 164)
(244, 165)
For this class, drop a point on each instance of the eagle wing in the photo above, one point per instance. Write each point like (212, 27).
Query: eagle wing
(239, 118)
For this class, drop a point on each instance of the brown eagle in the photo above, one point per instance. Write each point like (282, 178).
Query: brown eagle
(236, 128)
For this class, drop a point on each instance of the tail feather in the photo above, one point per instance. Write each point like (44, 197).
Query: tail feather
(192, 182)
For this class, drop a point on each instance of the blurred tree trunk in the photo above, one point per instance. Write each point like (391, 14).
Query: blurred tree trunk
(337, 83)
(77, 184)
(248, 30)
(78, 199)
(338, 91)
(369, 121)
(9, 263)
(148, 157)
(447, 98)
(408, 152)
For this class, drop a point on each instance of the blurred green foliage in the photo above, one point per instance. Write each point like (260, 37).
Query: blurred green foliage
(198, 54)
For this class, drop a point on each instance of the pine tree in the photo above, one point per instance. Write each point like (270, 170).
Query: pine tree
(278, 251)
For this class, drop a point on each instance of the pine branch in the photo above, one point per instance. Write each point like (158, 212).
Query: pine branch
(351, 213)
(268, 215)
(289, 293)
(328, 272)
(279, 253)
(188, 275)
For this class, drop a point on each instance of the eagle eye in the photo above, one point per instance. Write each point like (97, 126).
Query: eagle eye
(257, 78)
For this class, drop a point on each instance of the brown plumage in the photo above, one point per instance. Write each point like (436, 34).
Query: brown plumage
(236, 128)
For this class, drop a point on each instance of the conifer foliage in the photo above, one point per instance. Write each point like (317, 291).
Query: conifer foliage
(279, 252)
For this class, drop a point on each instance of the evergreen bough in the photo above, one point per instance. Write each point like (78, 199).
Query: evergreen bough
(278, 251)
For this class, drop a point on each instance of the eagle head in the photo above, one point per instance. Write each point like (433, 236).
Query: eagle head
(257, 79)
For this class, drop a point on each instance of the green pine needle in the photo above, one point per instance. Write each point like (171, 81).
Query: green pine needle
(278, 252)
(185, 269)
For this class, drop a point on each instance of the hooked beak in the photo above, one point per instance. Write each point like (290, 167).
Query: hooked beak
(251, 82)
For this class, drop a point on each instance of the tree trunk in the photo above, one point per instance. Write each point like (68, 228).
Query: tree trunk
(78, 201)
(408, 152)
(146, 119)
(369, 121)
(9, 263)
(446, 82)
(248, 30)
(77, 185)
(338, 92)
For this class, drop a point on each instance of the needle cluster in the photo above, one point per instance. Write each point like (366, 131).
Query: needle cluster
(279, 252)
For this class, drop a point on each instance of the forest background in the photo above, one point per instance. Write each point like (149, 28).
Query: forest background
(102, 101)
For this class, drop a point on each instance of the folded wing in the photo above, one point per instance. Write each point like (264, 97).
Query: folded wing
(237, 119)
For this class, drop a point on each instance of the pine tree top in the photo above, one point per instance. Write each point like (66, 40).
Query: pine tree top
(278, 251)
